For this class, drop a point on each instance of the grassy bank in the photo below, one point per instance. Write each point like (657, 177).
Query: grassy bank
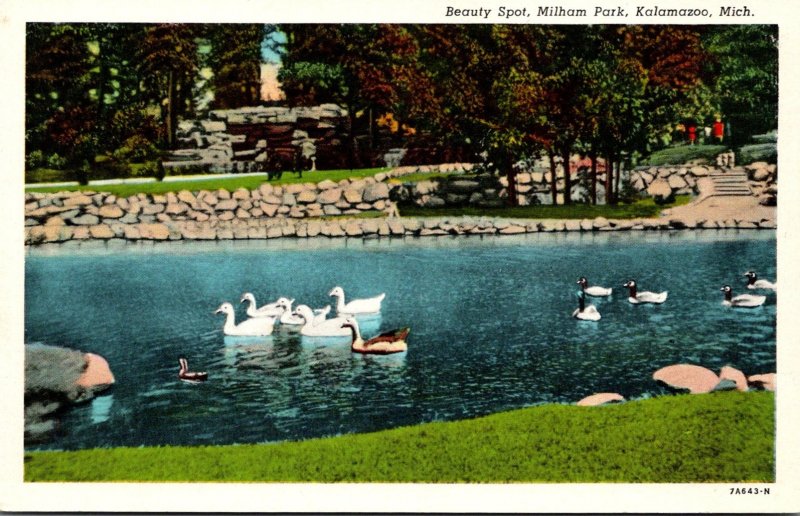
(643, 208)
(719, 437)
(226, 183)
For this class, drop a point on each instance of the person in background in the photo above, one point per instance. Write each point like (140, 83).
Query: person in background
(692, 134)
(719, 129)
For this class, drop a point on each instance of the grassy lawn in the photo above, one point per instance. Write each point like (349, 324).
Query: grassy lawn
(228, 183)
(719, 437)
(643, 208)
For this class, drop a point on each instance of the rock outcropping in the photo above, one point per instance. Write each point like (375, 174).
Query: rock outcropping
(57, 377)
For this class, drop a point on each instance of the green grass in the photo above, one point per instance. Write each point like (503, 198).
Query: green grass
(719, 437)
(643, 208)
(683, 154)
(228, 183)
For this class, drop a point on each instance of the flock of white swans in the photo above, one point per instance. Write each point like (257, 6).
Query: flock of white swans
(590, 313)
(261, 320)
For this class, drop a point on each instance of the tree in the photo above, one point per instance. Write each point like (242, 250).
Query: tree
(235, 58)
(744, 64)
(168, 63)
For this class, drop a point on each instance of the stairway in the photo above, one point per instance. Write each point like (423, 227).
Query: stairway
(730, 183)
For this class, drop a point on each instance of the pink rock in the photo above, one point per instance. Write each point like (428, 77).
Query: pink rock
(97, 373)
(730, 373)
(696, 379)
(766, 381)
(599, 399)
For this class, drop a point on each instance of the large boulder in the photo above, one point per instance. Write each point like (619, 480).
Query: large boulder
(600, 398)
(56, 377)
(695, 379)
(767, 381)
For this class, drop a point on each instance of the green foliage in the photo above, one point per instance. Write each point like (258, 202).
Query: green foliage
(642, 208)
(719, 437)
(136, 149)
(759, 152)
(236, 60)
(679, 155)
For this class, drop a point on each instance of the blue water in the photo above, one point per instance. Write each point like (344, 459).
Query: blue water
(490, 318)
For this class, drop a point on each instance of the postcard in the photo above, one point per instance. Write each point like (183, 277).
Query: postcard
(399, 257)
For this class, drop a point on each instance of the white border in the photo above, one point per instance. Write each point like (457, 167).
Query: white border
(588, 498)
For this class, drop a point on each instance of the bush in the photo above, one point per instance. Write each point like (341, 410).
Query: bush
(759, 152)
(682, 154)
(136, 149)
(35, 159)
(57, 162)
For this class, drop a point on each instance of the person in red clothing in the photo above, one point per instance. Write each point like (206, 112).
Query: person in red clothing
(692, 134)
(719, 129)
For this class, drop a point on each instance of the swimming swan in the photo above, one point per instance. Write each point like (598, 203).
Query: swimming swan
(643, 297)
(393, 341)
(753, 282)
(594, 291)
(268, 310)
(288, 318)
(255, 327)
(743, 300)
(324, 328)
(584, 312)
(357, 306)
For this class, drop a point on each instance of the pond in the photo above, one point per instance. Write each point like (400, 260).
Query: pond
(490, 318)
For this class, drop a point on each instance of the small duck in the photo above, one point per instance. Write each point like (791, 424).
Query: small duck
(370, 305)
(593, 291)
(754, 283)
(268, 310)
(255, 327)
(636, 298)
(386, 343)
(190, 376)
(743, 300)
(584, 312)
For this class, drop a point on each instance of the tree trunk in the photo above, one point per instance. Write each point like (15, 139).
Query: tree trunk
(617, 180)
(609, 180)
(553, 187)
(567, 181)
(511, 177)
(171, 112)
(593, 190)
(351, 139)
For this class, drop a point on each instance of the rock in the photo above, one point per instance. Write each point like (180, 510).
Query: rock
(176, 208)
(152, 209)
(307, 197)
(725, 385)
(101, 231)
(77, 200)
(600, 222)
(352, 196)
(696, 379)
(353, 228)
(326, 184)
(676, 182)
(227, 205)
(375, 192)
(463, 186)
(600, 399)
(659, 188)
(329, 196)
(153, 231)
(110, 211)
(396, 227)
(85, 220)
(512, 230)
(767, 381)
(97, 375)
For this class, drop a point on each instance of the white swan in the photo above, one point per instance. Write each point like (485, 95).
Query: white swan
(268, 310)
(324, 328)
(594, 291)
(288, 318)
(371, 305)
(643, 297)
(753, 282)
(255, 327)
(585, 312)
(743, 300)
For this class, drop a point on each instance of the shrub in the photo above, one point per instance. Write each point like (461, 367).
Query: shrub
(35, 159)
(684, 154)
(57, 162)
(136, 149)
(759, 152)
